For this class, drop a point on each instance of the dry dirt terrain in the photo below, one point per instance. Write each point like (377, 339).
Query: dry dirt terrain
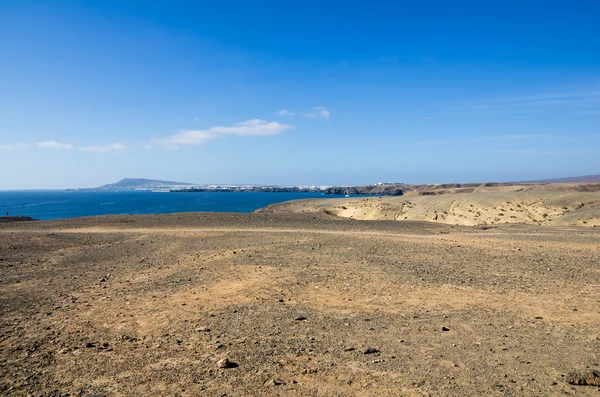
(484, 207)
(299, 304)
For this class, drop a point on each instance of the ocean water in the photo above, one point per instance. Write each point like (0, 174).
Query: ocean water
(46, 205)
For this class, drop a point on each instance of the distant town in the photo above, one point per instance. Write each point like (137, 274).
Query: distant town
(140, 184)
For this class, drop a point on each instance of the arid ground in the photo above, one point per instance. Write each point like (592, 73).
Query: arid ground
(492, 206)
(300, 304)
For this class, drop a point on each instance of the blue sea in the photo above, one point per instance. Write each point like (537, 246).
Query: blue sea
(46, 205)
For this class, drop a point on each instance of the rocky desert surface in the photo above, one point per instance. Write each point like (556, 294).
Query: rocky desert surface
(299, 304)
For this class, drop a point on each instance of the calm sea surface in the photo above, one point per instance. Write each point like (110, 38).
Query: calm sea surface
(62, 204)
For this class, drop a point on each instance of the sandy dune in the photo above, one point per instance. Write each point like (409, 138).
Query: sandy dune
(539, 207)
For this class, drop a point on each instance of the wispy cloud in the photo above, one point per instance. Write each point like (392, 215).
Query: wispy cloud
(318, 112)
(571, 101)
(64, 146)
(536, 101)
(544, 152)
(104, 148)
(54, 145)
(285, 112)
(196, 137)
(14, 146)
(487, 138)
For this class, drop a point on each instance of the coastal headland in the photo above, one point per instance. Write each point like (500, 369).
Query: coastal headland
(296, 304)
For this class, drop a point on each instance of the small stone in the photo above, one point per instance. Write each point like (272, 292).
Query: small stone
(371, 350)
(444, 328)
(538, 317)
(218, 346)
(585, 377)
(202, 329)
(301, 319)
(90, 345)
(349, 349)
(224, 363)
(274, 382)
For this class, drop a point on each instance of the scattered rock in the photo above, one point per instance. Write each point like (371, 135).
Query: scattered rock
(349, 349)
(371, 350)
(301, 319)
(226, 363)
(274, 382)
(586, 377)
(202, 329)
(444, 328)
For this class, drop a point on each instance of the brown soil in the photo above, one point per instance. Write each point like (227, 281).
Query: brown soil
(148, 305)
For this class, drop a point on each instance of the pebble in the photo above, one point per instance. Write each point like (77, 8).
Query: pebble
(444, 328)
(202, 329)
(371, 350)
(587, 377)
(224, 363)
(274, 382)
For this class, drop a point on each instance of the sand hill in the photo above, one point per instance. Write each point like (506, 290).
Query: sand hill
(560, 204)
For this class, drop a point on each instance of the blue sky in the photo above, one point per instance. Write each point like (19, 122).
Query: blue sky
(304, 92)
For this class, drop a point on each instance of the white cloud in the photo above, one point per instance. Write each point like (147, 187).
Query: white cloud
(285, 112)
(14, 146)
(54, 145)
(104, 148)
(196, 137)
(318, 112)
(65, 146)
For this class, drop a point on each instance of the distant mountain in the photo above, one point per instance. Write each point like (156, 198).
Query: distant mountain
(140, 184)
(574, 179)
